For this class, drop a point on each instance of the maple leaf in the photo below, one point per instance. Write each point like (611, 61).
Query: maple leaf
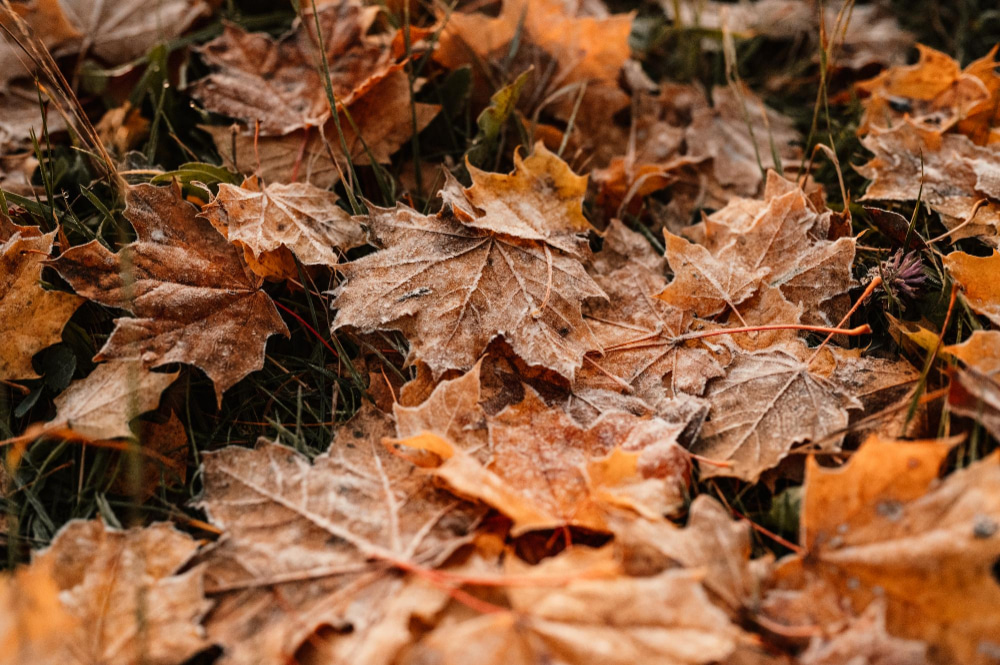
(271, 221)
(665, 618)
(193, 299)
(46, 20)
(976, 395)
(111, 596)
(936, 95)
(977, 278)
(451, 289)
(865, 640)
(872, 527)
(768, 401)
(118, 32)
(712, 541)
(541, 200)
(374, 135)
(545, 471)
(22, 115)
(980, 351)
(452, 410)
(954, 172)
(31, 318)
(278, 82)
(320, 537)
(102, 404)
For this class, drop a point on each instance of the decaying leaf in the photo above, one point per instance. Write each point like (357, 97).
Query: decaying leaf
(767, 402)
(298, 217)
(278, 83)
(977, 277)
(865, 640)
(321, 537)
(452, 288)
(46, 20)
(31, 318)
(101, 405)
(101, 595)
(545, 471)
(873, 529)
(194, 300)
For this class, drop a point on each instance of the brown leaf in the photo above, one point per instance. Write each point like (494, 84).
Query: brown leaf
(712, 542)
(278, 82)
(545, 471)
(977, 396)
(119, 32)
(312, 544)
(451, 289)
(46, 20)
(977, 277)
(22, 115)
(452, 411)
(865, 642)
(767, 402)
(101, 405)
(193, 299)
(31, 318)
(665, 618)
(981, 351)
(163, 462)
(541, 200)
(317, 155)
(108, 596)
(298, 217)
(875, 526)
(955, 174)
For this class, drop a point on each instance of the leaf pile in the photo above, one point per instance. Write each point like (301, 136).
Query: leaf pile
(393, 333)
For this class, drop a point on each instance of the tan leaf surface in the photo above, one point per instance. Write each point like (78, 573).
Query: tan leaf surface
(545, 471)
(452, 410)
(304, 154)
(978, 279)
(541, 200)
(299, 217)
(666, 618)
(712, 542)
(866, 642)
(278, 82)
(31, 318)
(955, 174)
(767, 402)
(109, 596)
(451, 289)
(883, 526)
(101, 405)
(22, 115)
(977, 396)
(317, 537)
(118, 32)
(46, 20)
(193, 299)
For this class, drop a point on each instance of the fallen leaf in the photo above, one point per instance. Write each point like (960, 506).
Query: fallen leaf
(278, 83)
(121, 598)
(865, 640)
(163, 459)
(33, 623)
(977, 396)
(767, 402)
(102, 404)
(194, 300)
(118, 32)
(46, 21)
(544, 471)
(297, 217)
(981, 351)
(976, 276)
(451, 289)
(873, 527)
(31, 318)
(321, 537)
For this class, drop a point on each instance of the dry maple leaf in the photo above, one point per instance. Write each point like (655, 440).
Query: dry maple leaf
(451, 410)
(977, 277)
(33, 623)
(313, 544)
(102, 404)
(712, 542)
(277, 219)
(614, 620)
(121, 31)
(953, 172)
(976, 395)
(936, 95)
(767, 402)
(875, 527)
(109, 596)
(278, 83)
(46, 20)
(545, 471)
(865, 641)
(22, 115)
(305, 154)
(541, 200)
(451, 289)
(194, 300)
(31, 318)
